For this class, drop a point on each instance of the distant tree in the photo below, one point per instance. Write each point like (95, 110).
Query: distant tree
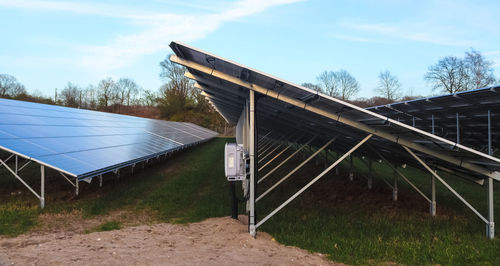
(71, 95)
(328, 83)
(348, 85)
(177, 93)
(448, 75)
(10, 87)
(91, 98)
(126, 89)
(312, 86)
(149, 98)
(479, 70)
(388, 85)
(107, 92)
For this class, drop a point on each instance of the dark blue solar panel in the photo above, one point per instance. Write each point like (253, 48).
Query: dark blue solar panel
(85, 143)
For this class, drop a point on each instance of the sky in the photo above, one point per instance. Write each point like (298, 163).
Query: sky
(46, 44)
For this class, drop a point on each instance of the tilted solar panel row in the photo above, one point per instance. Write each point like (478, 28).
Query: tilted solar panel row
(84, 143)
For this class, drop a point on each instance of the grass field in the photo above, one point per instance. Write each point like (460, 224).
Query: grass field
(336, 216)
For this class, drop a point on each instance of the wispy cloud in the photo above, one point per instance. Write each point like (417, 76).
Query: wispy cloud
(158, 28)
(354, 38)
(408, 31)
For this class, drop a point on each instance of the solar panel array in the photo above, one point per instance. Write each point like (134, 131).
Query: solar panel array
(470, 108)
(227, 83)
(84, 143)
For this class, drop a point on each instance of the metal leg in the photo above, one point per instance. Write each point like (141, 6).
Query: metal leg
(314, 180)
(490, 229)
(490, 226)
(100, 180)
(42, 186)
(286, 160)
(251, 223)
(295, 169)
(370, 175)
(77, 190)
(402, 176)
(433, 196)
(351, 173)
(446, 184)
(16, 164)
(395, 187)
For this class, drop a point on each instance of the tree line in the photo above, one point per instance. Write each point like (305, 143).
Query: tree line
(450, 74)
(178, 100)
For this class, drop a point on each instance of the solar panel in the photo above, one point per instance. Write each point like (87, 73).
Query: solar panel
(84, 143)
(352, 122)
(466, 111)
(285, 112)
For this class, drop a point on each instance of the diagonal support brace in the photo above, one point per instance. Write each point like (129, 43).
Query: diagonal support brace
(314, 180)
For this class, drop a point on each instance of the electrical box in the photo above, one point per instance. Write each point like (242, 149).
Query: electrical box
(234, 162)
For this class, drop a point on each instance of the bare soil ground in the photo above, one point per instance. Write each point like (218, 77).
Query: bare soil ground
(215, 241)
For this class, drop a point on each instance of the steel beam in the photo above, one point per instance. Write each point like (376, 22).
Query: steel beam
(20, 179)
(490, 227)
(42, 186)
(345, 120)
(276, 156)
(251, 223)
(295, 169)
(445, 184)
(286, 160)
(314, 180)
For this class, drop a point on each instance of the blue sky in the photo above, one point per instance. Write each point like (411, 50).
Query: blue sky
(46, 44)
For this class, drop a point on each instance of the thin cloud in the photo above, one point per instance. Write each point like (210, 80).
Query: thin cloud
(158, 28)
(412, 32)
(353, 38)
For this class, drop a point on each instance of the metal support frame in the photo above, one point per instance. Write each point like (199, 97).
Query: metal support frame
(40, 196)
(490, 227)
(370, 175)
(271, 148)
(286, 160)
(295, 169)
(276, 156)
(351, 170)
(42, 186)
(397, 171)
(314, 180)
(458, 130)
(251, 215)
(345, 120)
(395, 187)
(283, 142)
(67, 179)
(447, 186)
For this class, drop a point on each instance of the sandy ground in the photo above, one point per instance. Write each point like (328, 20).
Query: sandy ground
(216, 241)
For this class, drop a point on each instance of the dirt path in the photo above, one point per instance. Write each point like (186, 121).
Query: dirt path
(216, 241)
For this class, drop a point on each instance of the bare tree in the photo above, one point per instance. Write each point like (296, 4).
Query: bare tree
(328, 83)
(479, 70)
(126, 88)
(448, 75)
(312, 86)
(71, 95)
(150, 98)
(10, 87)
(91, 98)
(107, 92)
(389, 85)
(176, 83)
(348, 85)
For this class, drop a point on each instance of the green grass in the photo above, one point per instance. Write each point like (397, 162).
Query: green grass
(189, 186)
(342, 219)
(107, 226)
(354, 225)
